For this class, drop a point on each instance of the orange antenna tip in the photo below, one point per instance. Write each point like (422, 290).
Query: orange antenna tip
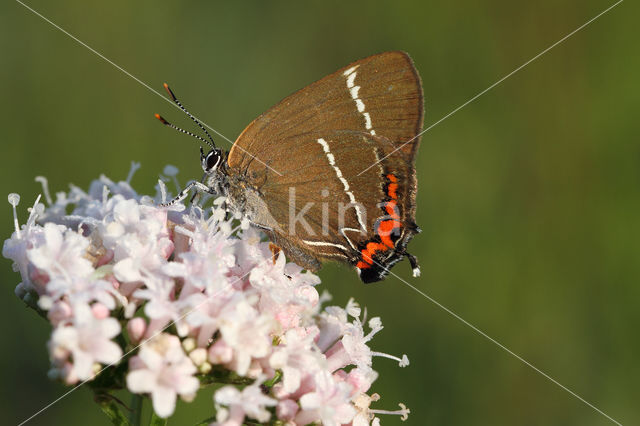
(166, 87)
(159, 117)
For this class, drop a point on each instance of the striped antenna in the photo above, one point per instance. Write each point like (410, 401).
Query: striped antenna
(186, 132)
(195, 120)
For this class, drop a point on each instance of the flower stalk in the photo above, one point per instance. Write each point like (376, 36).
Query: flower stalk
(135, 416)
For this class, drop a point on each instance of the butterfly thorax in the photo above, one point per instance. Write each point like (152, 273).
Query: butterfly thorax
(243, 196)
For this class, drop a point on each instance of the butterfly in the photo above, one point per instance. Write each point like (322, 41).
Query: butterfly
(328, 172)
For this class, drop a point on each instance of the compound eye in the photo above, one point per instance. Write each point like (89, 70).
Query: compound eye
(212, 159)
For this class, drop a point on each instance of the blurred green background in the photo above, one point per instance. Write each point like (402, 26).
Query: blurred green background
(528, 197)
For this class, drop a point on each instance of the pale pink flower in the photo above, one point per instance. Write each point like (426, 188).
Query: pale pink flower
(329, 403)
(220, 353)
(333, 323)
(250, 402)
(201, 272)
(162, 308)
(247, 332)
(204, 312)
(209, 236)
(286, 297)
(270, 276)
(86, 341)
(61, 254)
(80, 289)
(60, 312)
(361, 379)
(353, 348)
(138, 237)
(165, 372)
(296, 357)
(287, 409)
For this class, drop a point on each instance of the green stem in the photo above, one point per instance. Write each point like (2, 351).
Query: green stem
(157, 420)
(135, 416)
(112, 407)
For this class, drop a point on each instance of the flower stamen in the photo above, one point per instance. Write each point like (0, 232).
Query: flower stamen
(132, 171)
(402, 362)
(14, 200)
(45, 188)
(403, 412)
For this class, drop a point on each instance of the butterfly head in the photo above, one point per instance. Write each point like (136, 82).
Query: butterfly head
(210, 161)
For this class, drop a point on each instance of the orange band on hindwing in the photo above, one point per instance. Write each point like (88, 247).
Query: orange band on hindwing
(363, 265)
(371, 249)
(392, 188)
(387, 227)
(391, 207)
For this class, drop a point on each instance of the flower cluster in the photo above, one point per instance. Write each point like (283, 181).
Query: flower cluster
(167, 300)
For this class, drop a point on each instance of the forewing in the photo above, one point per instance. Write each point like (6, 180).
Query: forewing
(380, 95)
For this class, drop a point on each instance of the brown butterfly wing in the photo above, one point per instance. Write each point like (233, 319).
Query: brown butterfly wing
(321, 208)
(318, 143)
(381, 94)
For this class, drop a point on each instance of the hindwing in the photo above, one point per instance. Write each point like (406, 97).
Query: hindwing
(334, 167)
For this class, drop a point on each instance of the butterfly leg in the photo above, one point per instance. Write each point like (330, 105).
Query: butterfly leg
(197, 193)
(200, 187)
(415, 268)
(275, 251)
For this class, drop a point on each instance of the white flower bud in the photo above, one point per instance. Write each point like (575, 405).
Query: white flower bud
(198, 355)
(205, 367)
(189, 344)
